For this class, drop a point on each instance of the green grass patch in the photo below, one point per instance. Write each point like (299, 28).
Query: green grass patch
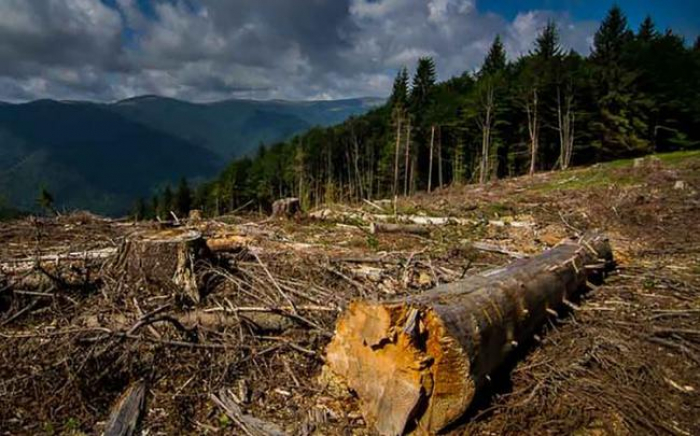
(678, 158)
(606, 173)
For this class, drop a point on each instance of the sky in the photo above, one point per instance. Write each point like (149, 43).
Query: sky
(207, 50)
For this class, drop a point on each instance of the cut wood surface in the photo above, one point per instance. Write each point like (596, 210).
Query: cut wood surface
(417, 363)
(164, 258)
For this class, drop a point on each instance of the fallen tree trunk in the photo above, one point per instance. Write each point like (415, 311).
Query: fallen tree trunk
(417, 363)
(164, 258)
(414, 229)
(330, 215)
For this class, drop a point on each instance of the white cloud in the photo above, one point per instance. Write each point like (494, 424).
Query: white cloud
(223, 48)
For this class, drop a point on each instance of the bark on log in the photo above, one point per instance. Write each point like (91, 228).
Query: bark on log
(164, 258)
(418, 362)
(414, 229)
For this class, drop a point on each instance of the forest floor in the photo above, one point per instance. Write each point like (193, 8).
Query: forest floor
(626, 363)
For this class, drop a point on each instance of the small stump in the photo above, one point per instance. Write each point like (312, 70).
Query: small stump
(286, 208)
(164, 258)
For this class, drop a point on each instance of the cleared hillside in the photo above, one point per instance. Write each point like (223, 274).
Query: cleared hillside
(625, 362)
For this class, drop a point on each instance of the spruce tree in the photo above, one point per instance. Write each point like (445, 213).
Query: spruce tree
(423, 83)
(610, 39)
(647, 30)
(547, 45)
(45, 201)
(620, 127)
(183, 198)
(166, 203)
(399, 93)
(495, 61)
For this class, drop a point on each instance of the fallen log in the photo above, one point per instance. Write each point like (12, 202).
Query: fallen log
(417, 363)
(330, 215)
(164, 258)
(413, 229)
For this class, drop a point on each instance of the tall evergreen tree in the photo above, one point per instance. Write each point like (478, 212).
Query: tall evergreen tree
(647, 30)
(166, 204)
(610, 39)
(495, 61)
(45, 201)
(183, 198)
(620, 127)
(399, 93)
(423, 83)
(547, 45)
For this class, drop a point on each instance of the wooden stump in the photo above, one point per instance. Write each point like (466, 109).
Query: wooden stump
(164, 258)
(286, 208)
(417, 363)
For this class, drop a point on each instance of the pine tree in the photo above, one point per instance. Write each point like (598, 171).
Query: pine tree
(696, 46)
(610, 39)
(139, 211)
(495, 61)
(166, 203)
(183, 198)
(647, 30)
(547, 45)
(45, 201)
(399, 93)
(423, 83)
(620, 126)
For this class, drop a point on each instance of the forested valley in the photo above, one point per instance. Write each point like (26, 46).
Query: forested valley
(636, 93)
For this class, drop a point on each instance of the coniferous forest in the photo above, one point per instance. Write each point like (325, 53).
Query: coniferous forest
(636, 93)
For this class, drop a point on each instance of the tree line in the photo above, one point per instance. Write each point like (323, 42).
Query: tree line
(636, 93)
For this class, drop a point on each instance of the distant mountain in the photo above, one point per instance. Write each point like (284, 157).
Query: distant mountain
(102, 157)
(232, 128)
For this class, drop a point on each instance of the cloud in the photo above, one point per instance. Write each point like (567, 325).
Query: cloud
(212, 49)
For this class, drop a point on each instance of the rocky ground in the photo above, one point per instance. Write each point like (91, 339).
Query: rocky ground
(76, 331)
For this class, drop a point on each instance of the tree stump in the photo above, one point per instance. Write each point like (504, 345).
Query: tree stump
(416, 363)
(164, 258)
(286, 208)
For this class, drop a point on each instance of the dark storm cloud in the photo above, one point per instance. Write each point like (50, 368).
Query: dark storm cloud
(213, 49)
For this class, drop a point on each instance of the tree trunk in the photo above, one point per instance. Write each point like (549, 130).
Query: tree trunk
(165, 259)
(440, 179)
(407, 163)
(395, 188)
(486, 136)
(416, 363)
(533, 128)
(430, 169)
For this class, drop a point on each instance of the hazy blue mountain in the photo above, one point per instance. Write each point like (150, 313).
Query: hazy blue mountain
(231, 128)
(103, 156)
(88, 157)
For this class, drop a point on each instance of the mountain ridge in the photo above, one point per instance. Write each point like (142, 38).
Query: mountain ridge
(102, 156)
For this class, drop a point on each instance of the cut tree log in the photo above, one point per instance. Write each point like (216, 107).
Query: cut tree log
(286, 208)
(417, 363)
(164, 258)
(414, 229)
(331, 215)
